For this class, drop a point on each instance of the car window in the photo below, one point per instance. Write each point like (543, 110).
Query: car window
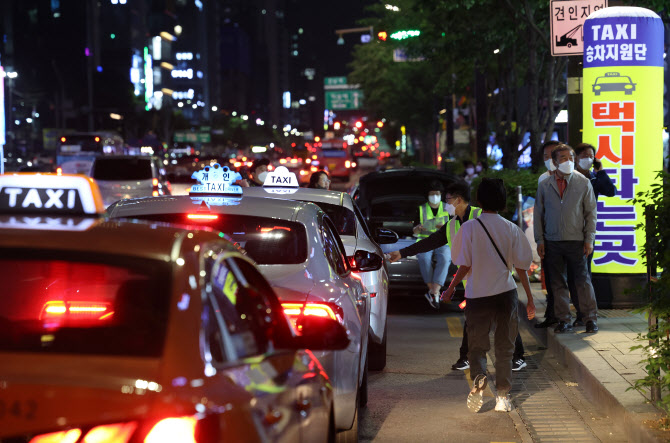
(267, 240)
(333, 249)
(243, 311)
(362, 221)
(122, 169)
(344, 219)
(57, 302)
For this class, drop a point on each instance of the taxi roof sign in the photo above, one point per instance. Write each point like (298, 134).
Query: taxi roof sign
(281, 181)
(216, 180)
(50, 194)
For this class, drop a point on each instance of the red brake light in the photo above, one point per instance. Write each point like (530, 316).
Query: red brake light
(154, 182)
(97, 139)
(116, 433)
(295, 311)
(76, 310)
(202, 217)
(268, 229)
(62, 139)
(178, 429)
(70, 436)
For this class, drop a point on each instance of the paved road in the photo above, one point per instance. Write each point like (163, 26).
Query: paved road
(419, 398)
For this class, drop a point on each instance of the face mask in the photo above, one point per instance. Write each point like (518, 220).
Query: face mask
(451, 209)
(585, 163)
(550, 165)
(262, 176)
(434, 199)
(567, 167)
(478, 168)
(470, 171)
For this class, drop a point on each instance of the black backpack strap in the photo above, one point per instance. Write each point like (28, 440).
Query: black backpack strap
(494, 243)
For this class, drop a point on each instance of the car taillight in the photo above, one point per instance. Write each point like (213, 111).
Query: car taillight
(202, 217)
(114, 433)
(154, 182)
(303, 172)
(76, 310)
(347, 164)
(59, 170)
(353, 164)
(177, 429)
(296, 311)
(70, 436)
(308, 160)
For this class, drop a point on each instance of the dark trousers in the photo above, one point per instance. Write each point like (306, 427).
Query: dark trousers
(483, 314)
(559, 256)
(518, 345)
(549, 312)
(573, 289)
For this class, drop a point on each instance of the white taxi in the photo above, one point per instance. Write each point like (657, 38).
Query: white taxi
(114, 331)
(361, 246)
(297, 247)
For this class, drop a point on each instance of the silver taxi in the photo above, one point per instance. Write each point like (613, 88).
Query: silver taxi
(358, 240)
(297, 248)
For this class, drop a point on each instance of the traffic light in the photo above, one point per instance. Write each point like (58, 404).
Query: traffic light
(359, 124)
(336, 126)
(382, 36)
(403, 35)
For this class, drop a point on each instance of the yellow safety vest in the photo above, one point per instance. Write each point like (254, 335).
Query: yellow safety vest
(426, 214)
(454, 225)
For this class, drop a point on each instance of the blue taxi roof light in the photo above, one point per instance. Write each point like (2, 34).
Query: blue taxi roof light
(216, 180)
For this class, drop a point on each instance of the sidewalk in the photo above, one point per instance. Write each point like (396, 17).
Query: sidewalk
(604, 365)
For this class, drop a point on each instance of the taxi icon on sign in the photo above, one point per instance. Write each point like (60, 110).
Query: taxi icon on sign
(613, 81)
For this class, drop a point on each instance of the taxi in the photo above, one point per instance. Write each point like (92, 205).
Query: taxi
(297, 248)
(359, 243)
(119, 331)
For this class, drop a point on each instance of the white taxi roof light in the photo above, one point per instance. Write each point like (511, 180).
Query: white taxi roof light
(50, 194)
(215, 180)
(281, 181)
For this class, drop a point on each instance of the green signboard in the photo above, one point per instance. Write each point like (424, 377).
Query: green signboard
(344, 99)
(192, 137)
(334, 81)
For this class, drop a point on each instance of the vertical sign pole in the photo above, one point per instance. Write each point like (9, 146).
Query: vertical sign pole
(623, 118)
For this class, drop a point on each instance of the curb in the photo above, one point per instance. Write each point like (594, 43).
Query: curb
(632, 417)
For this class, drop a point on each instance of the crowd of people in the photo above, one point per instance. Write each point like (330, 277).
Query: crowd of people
(487, 249)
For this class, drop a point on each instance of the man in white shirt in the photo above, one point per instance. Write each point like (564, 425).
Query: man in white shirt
(486, 249)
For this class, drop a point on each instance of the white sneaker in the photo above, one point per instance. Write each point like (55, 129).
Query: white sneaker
(503, 403)
(437, 299)
(476, 395)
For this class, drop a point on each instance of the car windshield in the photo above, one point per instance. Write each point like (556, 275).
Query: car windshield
(122, 169)
(103, 305)
(344, 219)
(267, 240)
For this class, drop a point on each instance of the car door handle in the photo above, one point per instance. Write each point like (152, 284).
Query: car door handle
(273, 416)
(303, 405)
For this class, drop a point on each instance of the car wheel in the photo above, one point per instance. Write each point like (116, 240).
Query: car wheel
(569, 45)
(351, 435)
(377, 353)
(363, 389)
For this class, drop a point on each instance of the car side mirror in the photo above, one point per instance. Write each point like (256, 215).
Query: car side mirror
(365, 261)
(385, 236)
(320, 334)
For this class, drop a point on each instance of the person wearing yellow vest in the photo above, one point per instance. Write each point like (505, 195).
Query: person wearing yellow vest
(458, 207)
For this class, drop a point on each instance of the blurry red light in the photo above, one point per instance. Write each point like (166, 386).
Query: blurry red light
(76, 310)
(177, 429)
(114, 433)
(359, 124)
(62, 139)
(201, 217)
(97, 139)
(70, 436)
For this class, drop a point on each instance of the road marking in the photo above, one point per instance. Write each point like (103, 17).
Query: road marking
(455, 326)
(487, 390)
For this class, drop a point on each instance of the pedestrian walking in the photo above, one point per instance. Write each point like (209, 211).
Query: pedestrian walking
(486, 250)
(565, 228)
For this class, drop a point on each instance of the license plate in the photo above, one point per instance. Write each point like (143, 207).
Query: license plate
(332, 165)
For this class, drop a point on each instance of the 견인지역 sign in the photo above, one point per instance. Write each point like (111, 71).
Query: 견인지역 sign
(567, 24)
